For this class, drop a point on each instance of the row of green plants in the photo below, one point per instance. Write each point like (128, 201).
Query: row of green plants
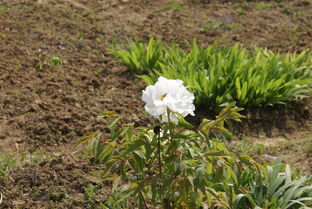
(222, 75)
(176, 166)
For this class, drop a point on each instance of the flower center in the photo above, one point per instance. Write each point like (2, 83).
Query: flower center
(163, 96)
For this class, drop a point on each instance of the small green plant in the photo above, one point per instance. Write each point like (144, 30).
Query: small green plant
(42, 62)
(138, 57)
(55, 61)
(113, 43)
(80, 35)
(17, 93)
(76, 83)
(241, 11)
(77, 97)
(173, 5)
(216, 23)
(90, 194)
(97, 72)
(39, 156)
(2, 35)
(2, 10)
(262, 5)
(6, 162)
(295, 31)
(100, 38)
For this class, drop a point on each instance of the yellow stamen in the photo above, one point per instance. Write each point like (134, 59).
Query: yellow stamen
(163, 96)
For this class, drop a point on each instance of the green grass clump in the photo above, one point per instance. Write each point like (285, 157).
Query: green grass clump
(173, 6)
(138, 57)
(224, 23)
(6, 162)
(221, 75)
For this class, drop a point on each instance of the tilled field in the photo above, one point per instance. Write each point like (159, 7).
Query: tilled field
(56, 77)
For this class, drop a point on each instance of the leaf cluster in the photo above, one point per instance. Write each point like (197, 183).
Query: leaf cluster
(222, 75)
(138, 57)
(177, 167)
(279, 190)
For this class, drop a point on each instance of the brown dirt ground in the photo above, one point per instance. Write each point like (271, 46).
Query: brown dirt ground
(43, 111)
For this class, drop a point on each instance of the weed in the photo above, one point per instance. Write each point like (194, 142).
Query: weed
(57, 193)
(295, 31)
(39, 156)
(246, 4)
(17, 93)
(6, 162)
(97, 72)
(77, 97)
(2, 10)
(262, 5)
(289, 12)
(243, 146)
(309, 148)
(29, 9)
(113, 43)
(260, 149)
(40, 61)
(100, 38)
(174, 6)
(2, 35)
(90, 195)
(97, 97)
(216, 23)
(241, 11)
(55, 61)
(80, 35)
(76, 83)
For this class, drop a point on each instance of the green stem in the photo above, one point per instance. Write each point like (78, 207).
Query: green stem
(159, 157)
(170, 124)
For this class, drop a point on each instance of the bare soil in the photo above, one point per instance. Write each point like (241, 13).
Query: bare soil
(44, 108)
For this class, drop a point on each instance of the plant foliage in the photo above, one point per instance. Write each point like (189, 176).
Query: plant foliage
(140, 58)
(222, 75)
(175, 167)
(279, 190)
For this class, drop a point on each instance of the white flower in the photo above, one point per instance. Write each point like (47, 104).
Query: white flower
(170, 94)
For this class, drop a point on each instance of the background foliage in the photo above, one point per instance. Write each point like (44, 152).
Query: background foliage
(221, 75)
